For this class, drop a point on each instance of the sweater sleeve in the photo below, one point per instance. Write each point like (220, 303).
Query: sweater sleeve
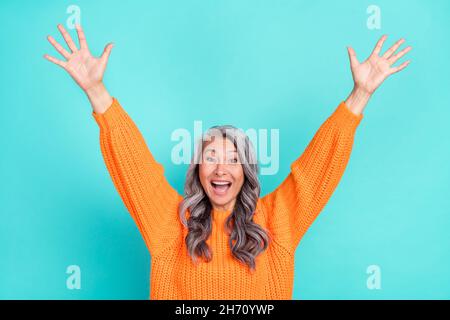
(313, 177)
(138, 178)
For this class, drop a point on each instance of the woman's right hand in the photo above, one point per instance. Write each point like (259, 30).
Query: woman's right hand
(85, 69)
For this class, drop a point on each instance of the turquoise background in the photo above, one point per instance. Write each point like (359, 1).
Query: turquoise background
(256, 64)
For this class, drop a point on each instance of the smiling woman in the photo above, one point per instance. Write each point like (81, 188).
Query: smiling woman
(221, 170)
(223, 176)
(248, 242)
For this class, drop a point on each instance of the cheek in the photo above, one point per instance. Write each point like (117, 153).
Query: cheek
(239, 178)
(204, 172)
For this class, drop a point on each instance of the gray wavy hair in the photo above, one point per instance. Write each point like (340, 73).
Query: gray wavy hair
(250, 238)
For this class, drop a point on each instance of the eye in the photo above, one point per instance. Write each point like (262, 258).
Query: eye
(210, 159)
(235, 160)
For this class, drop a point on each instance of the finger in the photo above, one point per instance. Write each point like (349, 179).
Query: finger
(352, 56)
(68, 38)
(58, 47)
(106, 52)
(392, 49)
(400, 67)
(81, 37)
(55, 61)
(397, 56)
(379, 45)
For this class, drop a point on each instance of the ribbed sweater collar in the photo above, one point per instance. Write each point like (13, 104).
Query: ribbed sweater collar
(220, 215)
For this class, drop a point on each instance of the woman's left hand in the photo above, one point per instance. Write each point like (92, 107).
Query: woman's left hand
(370, 74)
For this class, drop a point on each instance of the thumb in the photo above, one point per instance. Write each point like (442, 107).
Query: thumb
(106, 52)
(352, 56)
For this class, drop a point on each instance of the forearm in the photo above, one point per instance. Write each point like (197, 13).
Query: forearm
(314, 176)
(139, 178)
(357, 100)
(99, 97)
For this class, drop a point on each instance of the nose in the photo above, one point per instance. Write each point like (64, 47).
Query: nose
(220, 169)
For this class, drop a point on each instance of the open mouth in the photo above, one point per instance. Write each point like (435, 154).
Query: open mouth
(220, 187)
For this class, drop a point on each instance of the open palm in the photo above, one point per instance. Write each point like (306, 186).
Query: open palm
(84, 68)
(370, 74)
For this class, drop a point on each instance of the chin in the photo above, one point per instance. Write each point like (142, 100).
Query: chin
(220, 202)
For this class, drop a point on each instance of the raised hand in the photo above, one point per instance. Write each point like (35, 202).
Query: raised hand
(371, 73)
(84, 68)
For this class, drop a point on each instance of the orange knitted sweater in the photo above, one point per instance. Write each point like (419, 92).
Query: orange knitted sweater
(286, 213)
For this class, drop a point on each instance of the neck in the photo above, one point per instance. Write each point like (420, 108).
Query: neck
(228, 207)
(221, 210)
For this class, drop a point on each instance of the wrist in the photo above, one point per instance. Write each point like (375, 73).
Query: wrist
(99, 97)
(357, 100)
(361, 91)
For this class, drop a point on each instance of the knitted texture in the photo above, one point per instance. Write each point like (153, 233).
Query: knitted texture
(286, 213)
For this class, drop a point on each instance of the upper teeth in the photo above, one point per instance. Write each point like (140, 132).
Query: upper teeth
(221, 182)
